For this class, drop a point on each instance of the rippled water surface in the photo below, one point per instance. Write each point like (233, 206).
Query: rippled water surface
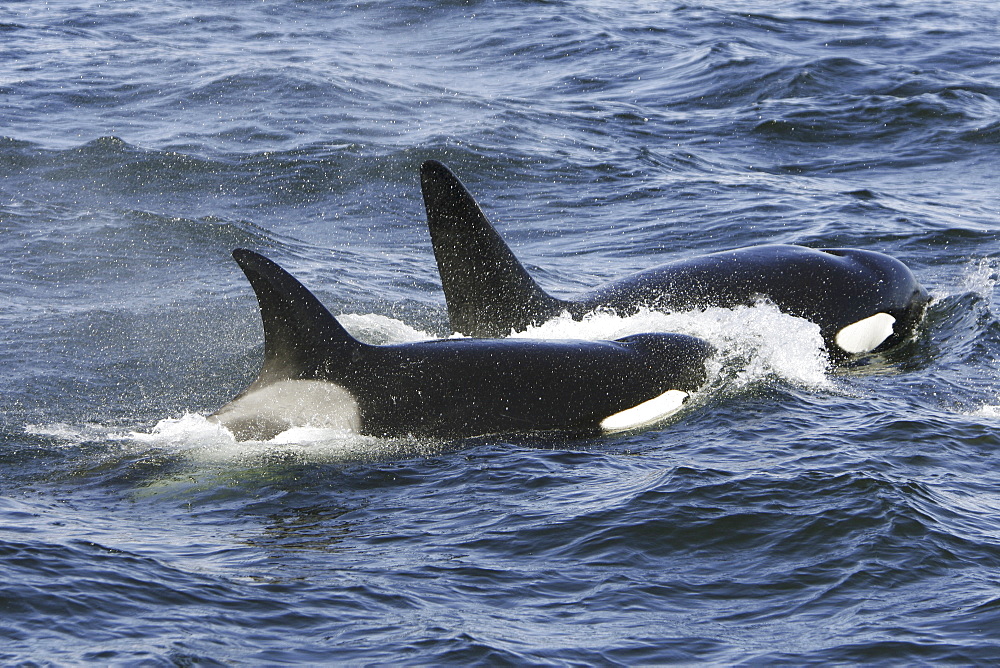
(793, 513)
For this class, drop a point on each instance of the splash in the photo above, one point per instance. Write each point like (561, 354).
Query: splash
(987, 411)
(204, 441)
(380, 330)
(980, 277)
(754, 343)
(72, 435)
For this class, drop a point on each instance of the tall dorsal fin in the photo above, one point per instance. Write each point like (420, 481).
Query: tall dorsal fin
(488, 291)
(302, 339)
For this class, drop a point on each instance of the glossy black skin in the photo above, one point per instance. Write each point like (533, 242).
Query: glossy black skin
(489, 293)
(462, 387)
(466, 387)
(830, 287)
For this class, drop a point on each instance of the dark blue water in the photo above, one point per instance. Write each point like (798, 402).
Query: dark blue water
(794, 513)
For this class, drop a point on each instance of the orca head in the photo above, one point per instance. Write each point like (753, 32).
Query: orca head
(680, 362)
(895, 303)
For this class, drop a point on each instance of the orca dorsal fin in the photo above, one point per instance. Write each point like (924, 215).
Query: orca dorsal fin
(302, 339)
(488, 291)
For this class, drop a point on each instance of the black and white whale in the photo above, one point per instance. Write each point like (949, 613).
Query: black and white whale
(863, 301)
(314, 373)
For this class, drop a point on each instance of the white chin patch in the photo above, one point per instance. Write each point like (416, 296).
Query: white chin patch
(866, 335)
(645, 413)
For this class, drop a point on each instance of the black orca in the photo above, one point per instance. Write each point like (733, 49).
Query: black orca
(863, 301)
(315, 373)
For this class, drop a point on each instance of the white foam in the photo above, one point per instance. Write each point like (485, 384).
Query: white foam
(203, 441)
(981, 277)
(59, 430)
(380, 330)
(987, 411)
(181, 433)
(72, 435)
(753, 343)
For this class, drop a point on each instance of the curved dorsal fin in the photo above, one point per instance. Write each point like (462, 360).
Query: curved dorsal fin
(488, 291)
(302, 339)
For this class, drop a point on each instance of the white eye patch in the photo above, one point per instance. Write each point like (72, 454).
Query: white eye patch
(645, 413)
(866, 335)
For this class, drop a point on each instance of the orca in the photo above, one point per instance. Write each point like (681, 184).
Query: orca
(862, 301)
(314, 373)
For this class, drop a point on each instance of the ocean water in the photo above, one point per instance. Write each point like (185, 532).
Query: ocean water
(794, 513)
